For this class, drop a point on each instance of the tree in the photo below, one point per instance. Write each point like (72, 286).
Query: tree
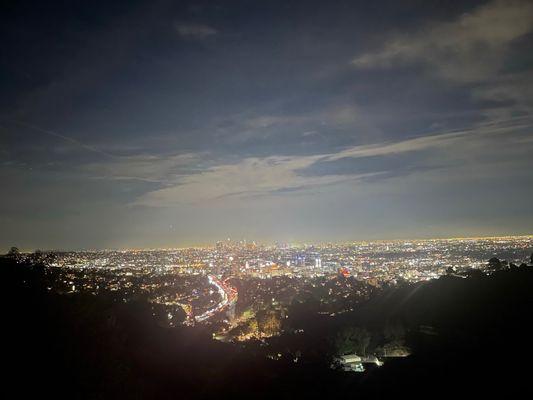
(394, 332)
(451, 270)
(352, 340)
(495, 264)
(268, 322)
(37, 256)
(13, 252)
(474, 273)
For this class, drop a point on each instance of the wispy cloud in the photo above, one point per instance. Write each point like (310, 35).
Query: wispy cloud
(246, 127)
(194, 30)
(469, 49)
(266, 176)
(150, 168)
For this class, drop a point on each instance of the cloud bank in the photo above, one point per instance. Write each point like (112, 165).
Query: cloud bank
(469, 49)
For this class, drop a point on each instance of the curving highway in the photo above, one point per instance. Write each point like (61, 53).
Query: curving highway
(228, 295)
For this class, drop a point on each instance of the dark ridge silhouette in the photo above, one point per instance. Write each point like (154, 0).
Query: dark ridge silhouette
(468, 337)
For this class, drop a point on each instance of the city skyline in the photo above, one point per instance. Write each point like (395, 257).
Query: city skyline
(272, 244)
(192, 286)
(156, 125)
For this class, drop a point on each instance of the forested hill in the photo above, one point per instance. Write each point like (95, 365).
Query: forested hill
(468, 336)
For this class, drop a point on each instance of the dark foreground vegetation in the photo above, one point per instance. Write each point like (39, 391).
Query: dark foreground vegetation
(469, 337)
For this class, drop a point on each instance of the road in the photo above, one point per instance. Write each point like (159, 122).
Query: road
(228, 295)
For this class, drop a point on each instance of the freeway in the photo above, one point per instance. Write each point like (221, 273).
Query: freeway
(228, 295)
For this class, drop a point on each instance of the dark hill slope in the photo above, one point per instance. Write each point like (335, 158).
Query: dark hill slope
(470, 337)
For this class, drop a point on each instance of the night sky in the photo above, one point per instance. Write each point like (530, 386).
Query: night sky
(167, 123)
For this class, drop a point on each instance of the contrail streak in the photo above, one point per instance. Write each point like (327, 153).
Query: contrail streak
(67, 138)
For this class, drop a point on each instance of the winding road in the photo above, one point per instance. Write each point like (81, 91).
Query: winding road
(228, 296)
